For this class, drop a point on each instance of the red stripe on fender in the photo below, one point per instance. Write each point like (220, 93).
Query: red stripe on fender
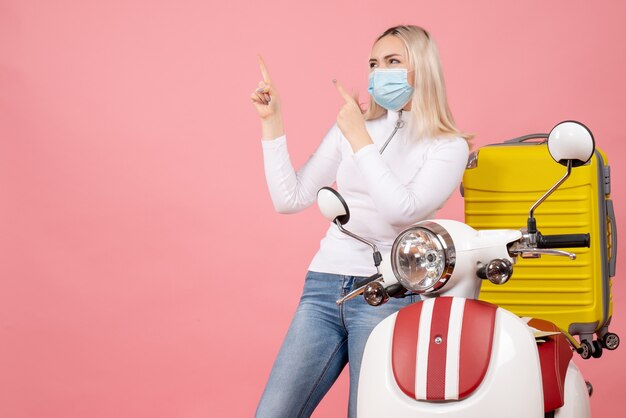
(438, 344)
(404, 347)
(476, 342)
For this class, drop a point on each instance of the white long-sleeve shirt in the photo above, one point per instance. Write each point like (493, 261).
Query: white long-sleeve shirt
(385, 192)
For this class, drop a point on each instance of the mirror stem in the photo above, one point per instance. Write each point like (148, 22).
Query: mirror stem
(377, 256)
(532, 225)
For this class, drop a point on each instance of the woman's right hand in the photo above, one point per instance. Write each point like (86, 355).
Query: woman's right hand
(265, 98)
(267, 104)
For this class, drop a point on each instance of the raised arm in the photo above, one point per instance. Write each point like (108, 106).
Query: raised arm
(291, 191)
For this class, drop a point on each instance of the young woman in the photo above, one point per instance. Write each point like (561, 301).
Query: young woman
(394, 165)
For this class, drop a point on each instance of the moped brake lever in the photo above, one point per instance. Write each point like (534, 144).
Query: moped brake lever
(531, 252)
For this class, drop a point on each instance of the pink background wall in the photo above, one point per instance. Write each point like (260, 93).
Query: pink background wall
(143, 272)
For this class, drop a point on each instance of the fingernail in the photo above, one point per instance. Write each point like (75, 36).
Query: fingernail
(259, 90)
(334, 80)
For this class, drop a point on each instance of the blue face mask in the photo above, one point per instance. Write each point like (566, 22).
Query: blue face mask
(390, 88)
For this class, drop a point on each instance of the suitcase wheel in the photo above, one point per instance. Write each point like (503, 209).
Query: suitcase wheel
(597, 349)
(610, 341)
(585, 349)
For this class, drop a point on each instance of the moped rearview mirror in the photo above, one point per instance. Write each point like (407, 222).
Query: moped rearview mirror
(571, 144)
(571, 141)
(335, 209)
(332, 205)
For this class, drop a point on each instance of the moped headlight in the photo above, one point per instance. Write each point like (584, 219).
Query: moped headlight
(423, 257)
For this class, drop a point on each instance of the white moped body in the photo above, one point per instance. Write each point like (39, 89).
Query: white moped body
(511, 386)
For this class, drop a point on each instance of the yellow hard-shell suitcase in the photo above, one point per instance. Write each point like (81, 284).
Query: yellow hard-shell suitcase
(501, 183)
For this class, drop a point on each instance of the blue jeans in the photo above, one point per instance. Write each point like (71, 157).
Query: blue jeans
(321, 339)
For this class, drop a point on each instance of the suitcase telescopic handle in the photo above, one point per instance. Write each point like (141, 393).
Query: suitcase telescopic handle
(563, 241)
(526, 138)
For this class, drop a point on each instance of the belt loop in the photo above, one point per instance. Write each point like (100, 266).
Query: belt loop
(350, 283)
(344, 279)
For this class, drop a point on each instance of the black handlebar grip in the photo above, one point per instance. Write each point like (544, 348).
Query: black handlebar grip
(396, 290)
(563, 241)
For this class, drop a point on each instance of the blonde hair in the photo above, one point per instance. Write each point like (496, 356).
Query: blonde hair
(430, 115)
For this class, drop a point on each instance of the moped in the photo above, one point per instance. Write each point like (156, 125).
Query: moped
(450, 354)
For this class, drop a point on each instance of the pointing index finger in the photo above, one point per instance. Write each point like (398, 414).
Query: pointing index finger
(264, 72)
(342, 91)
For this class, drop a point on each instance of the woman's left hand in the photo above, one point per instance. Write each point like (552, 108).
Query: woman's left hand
(351, 122)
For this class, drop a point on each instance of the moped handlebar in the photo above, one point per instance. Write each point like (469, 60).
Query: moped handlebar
(563, 241)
